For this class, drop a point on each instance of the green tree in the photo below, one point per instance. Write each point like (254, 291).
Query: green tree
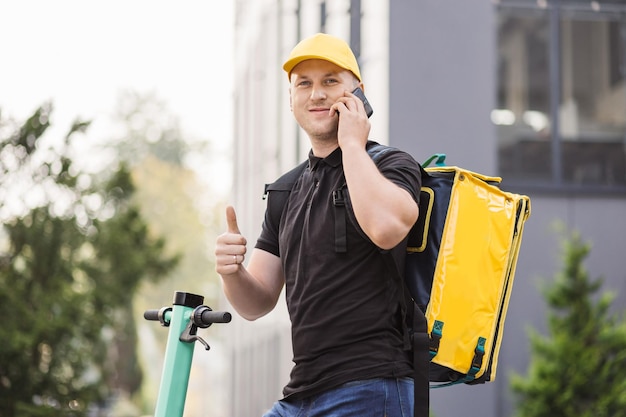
(579, 368)
(73, 250)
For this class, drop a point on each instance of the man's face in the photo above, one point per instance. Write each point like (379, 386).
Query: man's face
(315, 86)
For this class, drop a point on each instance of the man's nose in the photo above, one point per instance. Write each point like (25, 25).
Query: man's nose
(318, 94)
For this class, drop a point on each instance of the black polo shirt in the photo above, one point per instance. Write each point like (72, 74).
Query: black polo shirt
(344, 306)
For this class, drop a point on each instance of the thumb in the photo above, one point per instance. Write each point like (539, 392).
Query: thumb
(231, 220)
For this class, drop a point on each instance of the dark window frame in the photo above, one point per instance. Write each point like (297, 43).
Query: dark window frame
(556, 10)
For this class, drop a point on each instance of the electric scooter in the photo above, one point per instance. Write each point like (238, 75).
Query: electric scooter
(183, 319)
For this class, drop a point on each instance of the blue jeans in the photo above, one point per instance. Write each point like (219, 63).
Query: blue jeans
(382, 397)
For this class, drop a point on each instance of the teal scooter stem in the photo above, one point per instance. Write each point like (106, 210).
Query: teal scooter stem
(184, 319)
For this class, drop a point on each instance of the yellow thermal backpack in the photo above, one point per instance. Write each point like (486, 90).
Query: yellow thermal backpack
(460, 266)
(459, 271)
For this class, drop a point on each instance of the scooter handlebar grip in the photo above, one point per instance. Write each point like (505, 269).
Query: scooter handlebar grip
(209, 317)
(152, 315)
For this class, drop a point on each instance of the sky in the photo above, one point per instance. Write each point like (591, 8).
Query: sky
(82, 54)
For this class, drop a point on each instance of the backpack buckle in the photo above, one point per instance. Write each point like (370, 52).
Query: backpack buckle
(338, 200)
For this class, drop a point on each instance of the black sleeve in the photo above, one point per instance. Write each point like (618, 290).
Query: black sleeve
(268, 240)
(403, 170)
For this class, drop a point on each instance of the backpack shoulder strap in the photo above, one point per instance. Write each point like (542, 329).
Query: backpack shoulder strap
(286, 181)
(277, 200)
(376, 150)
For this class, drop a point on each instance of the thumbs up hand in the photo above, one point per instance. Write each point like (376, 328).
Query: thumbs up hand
(230, 249)
(231, 220)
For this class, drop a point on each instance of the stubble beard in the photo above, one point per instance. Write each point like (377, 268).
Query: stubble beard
(322, 134)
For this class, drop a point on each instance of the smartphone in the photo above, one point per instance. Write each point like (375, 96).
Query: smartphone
(360, 94)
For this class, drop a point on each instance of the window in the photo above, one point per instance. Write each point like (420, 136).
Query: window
(561, 104)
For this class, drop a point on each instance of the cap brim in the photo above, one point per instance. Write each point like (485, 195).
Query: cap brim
(290, 64)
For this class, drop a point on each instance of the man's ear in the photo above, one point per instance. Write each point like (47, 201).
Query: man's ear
(290, 102)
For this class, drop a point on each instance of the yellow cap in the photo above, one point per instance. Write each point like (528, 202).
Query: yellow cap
(326, 47)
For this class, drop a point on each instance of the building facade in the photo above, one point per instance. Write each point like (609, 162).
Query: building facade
(530, 90)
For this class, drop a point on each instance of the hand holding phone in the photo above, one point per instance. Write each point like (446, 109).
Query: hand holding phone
(360, 94)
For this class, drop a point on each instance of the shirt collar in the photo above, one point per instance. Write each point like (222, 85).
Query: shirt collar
(333, 160)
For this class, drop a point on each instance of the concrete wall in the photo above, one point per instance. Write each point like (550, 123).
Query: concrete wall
(442, 80)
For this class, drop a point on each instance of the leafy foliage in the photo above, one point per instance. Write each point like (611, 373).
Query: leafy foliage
(73, 251)
(579, 368)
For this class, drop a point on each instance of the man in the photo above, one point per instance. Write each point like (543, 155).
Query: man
(345, 303)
